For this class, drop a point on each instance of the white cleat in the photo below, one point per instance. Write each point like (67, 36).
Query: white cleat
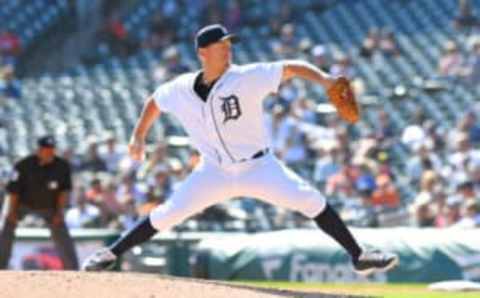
(101, 260)
(375, 261)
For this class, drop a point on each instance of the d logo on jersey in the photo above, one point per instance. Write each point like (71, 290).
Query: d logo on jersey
(231, 108)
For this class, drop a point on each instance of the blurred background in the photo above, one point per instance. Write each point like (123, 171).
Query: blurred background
(81, 69)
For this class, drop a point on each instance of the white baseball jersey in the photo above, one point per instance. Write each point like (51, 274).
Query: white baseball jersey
(229, 126)
(228, 129)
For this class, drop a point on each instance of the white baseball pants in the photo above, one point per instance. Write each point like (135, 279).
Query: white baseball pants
(265, 178)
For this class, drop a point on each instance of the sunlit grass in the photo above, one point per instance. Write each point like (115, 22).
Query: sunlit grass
(368, 289)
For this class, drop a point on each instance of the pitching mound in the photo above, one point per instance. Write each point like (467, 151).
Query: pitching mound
(56, 284)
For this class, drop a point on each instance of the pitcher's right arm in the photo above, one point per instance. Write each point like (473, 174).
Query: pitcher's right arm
(150, 113)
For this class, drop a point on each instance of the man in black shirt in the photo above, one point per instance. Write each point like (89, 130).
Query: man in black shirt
(40, 184)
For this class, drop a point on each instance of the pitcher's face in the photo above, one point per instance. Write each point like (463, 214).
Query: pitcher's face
(217, 53)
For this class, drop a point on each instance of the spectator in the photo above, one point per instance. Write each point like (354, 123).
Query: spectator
(274, 28)
(342, 66)
(387, 44)
(96, 196)
(328, 163)
(74, 159)
(436, 134)
(462, 153)
(469, 124)
(369, 218)
(366, 178)
(465, 17)
(470, 216)
(386, 194)
(112, 153)
(422, 160)
(174, 64)
(451, 61)
(439, 203)
(161, 32)
(111, 207)
(92, 161)
(370, 44)
(384, 128)
(291, 141)
(451, 212)
(341, 184)
(273, 123)
(158, 157)
(422, 211)
(10, 46)
(471, 71)
(288, 42)
(430, 182)
(303, 109)
(129, 216)
(83, 214)
(366, 151)
(115, 35)
(9, 86)
(383, 163)
(160, 183)
(159, 189)
(414, 134)
(295, 151)
(129, 190)
(466, 191)
(320, 57)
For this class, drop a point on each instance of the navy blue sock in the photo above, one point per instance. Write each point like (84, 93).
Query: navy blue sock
(329, 221)
(141, 232)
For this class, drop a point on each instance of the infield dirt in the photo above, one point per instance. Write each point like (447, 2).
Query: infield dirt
(64, 284)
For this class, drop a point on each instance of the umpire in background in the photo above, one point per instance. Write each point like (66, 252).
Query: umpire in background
(40, 184)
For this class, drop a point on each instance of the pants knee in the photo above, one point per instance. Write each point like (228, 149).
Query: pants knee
(312, 206)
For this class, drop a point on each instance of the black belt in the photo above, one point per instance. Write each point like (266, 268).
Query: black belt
(260, 153)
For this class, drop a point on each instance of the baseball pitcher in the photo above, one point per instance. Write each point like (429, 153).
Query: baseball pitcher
(220, 107)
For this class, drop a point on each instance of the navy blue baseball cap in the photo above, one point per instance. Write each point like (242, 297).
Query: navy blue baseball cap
(211, 34)
(47, 141)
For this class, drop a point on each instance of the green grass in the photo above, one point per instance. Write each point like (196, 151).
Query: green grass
(376, 290)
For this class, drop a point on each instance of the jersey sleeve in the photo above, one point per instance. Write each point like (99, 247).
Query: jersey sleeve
(267, 77)
(164, 97)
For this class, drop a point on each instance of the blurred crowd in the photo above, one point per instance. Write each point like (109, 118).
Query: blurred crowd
(116, 38)
(461, 65)
(10, 86)
(10, 48)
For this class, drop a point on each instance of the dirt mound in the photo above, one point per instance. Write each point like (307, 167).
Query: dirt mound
(64, 284)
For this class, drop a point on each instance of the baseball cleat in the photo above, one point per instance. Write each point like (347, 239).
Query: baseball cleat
(374, 261)
(101, 260)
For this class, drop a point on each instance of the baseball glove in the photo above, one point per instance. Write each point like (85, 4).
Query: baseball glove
(342, 97)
